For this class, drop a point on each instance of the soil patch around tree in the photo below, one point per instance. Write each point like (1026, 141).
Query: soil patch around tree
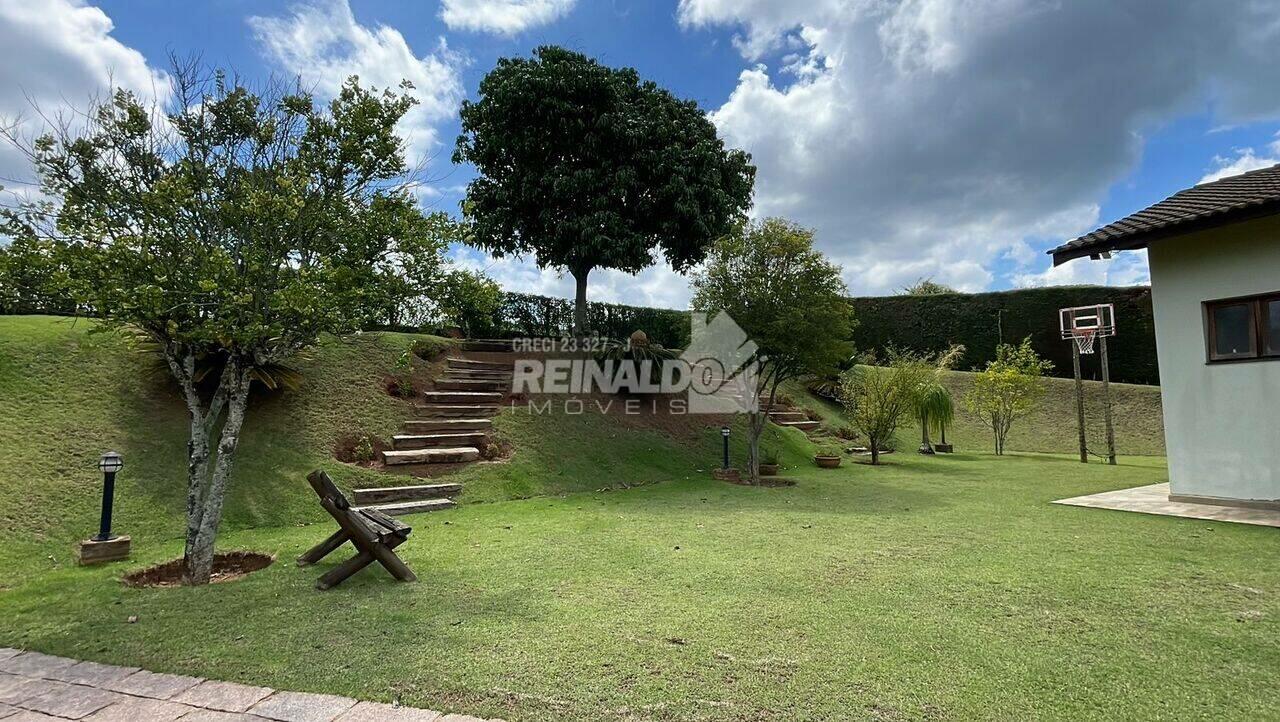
(227, 567)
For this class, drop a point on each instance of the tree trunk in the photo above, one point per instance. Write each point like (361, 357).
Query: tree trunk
(926, 447)
(755, 425)
(580, 303)
(875, 450)
(197, 559)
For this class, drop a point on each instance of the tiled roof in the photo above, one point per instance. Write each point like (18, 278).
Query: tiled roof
(1237, 198)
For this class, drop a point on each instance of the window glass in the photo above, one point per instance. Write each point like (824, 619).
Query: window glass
(1271, 331)
(1233, 330)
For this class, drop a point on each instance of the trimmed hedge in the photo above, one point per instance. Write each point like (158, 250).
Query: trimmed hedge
(978, 320)
(524, 314)
(919, 323)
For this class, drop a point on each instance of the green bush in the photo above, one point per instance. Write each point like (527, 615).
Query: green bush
(363, 453)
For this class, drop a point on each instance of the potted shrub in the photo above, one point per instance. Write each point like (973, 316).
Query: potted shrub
(769, 462)
(828, 457)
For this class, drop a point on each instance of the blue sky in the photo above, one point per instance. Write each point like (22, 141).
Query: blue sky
(920, 138)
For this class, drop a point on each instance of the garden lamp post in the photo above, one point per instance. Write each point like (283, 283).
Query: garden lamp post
(109, 464)
(724, 432)
(106, 547)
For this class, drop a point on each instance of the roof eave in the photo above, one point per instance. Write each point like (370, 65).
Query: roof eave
(1134, 241)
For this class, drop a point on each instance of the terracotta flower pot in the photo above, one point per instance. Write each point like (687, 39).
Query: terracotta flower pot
(827, 462)
(768, 470)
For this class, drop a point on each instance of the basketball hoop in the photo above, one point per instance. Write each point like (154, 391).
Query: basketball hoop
(1084, 339)
(1084, 324)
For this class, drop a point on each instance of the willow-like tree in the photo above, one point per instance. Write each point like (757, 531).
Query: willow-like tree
(586, 166)
(231, 228)
(788, 299)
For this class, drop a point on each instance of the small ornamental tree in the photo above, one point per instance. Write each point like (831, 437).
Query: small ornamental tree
(878, 398)
(935, 408)
(1007, 389)
(926, 287)
(236, 227)
(787, 298)
(587, 166)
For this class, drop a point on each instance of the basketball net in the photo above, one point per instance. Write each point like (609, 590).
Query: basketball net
(1084, 338)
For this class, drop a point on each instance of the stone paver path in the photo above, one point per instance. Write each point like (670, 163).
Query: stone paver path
(36, 686)
(1154, 499)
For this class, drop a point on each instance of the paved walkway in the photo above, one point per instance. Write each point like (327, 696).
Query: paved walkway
(36, 686)
(1154, 499)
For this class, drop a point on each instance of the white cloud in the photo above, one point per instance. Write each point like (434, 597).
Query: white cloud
(58, 55)
(324, 44)
(1126, 268)
(1244, 161)
(957, 138)
(504, 17)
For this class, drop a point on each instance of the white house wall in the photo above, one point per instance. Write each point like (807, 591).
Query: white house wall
(1222, 421)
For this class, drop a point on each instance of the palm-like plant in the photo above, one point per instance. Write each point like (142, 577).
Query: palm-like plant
(208, 367)
(934, 409)
(638, 350)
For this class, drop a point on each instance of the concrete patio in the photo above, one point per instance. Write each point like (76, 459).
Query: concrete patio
(1154, 499)
(36, 686)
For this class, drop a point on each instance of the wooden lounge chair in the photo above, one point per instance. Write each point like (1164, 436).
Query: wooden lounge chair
(374, 535)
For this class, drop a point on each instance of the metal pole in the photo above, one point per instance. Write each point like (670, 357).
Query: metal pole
(1106, 400)
(1075, 366)
(726, 450)
(108, 497)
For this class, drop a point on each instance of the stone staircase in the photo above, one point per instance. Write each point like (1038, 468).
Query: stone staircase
(450, 425)
(788, 416)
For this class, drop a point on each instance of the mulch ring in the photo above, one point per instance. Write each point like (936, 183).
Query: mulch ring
(227, 567)
(766, 481)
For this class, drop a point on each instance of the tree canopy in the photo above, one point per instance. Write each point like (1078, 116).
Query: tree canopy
(587, 166)
(1007, 389)
(786, 296)
(236, 225)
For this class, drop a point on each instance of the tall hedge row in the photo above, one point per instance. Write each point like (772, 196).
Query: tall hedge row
(524, 314)
(921, 323)
(981, 320)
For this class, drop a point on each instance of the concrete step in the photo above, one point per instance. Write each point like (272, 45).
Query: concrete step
(420, 426)
(415, 507)
(400, 442)
(462, 397)
(445, 455)
(788, 416)
(464, 411)
(469, 364)
(454, 384)
(486, 344)
(478, 374)
(399, 494)
(802, 425)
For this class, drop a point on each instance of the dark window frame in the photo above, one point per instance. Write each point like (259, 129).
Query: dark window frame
(1259, 310)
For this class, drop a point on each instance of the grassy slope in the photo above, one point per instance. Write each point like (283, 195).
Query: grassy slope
(1051, 428)
(67, 395)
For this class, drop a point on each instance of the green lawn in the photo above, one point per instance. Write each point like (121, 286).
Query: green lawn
(928, 588)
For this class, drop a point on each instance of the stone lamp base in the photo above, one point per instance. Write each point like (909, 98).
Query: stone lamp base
(97, 552)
